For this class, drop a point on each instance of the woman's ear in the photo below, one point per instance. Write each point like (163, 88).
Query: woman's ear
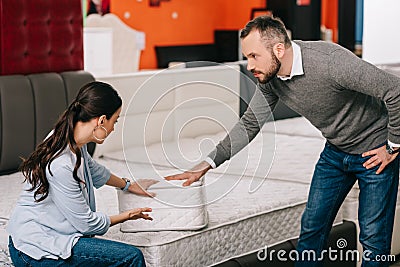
(101, 120)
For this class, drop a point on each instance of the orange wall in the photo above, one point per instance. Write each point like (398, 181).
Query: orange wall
(236, 13)
(196, 20)
(329, 16)
(195, 23)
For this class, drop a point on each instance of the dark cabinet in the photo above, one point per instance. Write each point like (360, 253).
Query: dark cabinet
(302, 18)
(346, 27)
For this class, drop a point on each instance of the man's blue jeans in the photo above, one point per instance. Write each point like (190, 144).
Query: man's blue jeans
(86, 252)
(334, 176)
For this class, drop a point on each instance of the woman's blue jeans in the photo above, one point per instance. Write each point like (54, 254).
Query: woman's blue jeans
(87, 252)
(334, 176)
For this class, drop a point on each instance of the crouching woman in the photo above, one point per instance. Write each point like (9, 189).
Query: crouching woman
(55, 219)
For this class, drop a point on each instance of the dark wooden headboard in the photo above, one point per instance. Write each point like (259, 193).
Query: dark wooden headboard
(41, 62)
(39, 36)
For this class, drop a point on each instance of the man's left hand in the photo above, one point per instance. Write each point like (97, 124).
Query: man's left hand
(379, 156)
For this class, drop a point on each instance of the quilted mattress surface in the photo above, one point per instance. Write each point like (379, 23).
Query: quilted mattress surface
(174, 207)
(289, 154)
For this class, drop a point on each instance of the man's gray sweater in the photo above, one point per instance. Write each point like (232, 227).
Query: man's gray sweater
(354, 104)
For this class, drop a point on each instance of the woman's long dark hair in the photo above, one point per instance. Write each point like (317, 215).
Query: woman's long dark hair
(93, 100)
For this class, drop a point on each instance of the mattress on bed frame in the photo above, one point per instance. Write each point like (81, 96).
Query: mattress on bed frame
(240, 222)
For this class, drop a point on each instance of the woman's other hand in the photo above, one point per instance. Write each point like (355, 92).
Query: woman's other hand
(137, 213)
(132, 214)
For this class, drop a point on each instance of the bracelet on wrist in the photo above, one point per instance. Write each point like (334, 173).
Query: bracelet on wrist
(128, 183)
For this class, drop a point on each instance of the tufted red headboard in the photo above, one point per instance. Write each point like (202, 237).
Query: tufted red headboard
(40, 36)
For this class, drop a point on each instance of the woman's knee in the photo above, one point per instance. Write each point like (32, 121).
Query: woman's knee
(135, 256)
(108, 250)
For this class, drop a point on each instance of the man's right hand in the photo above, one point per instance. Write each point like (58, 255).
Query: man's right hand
(192, 175)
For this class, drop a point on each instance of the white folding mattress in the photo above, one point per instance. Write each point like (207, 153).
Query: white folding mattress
(174, 207)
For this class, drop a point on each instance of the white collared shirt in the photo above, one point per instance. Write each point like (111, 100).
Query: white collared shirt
(297, 65)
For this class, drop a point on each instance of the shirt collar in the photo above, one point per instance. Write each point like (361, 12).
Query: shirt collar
(297, 65)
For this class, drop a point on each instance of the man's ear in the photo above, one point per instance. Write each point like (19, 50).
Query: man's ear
(279, 50)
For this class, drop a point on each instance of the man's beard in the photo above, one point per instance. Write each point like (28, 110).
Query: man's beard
(273, 70)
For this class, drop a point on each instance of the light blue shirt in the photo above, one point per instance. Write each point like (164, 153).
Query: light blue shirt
(51, 228)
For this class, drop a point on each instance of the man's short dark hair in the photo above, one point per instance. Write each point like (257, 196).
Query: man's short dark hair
(271, 29)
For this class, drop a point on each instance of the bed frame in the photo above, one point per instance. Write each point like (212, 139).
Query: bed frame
(29, 107)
